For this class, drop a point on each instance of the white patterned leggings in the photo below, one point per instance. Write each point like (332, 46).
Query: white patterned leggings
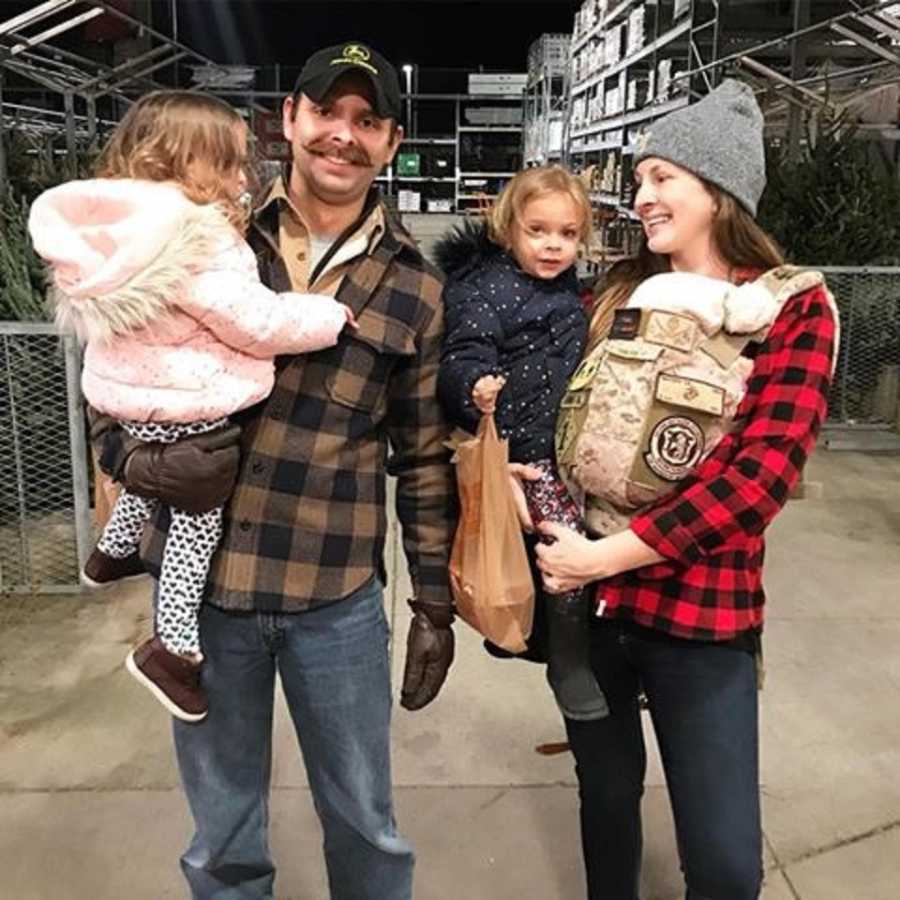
(190, 543)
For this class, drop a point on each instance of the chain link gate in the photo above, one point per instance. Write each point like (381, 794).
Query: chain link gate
(867, 379)
(45, 519)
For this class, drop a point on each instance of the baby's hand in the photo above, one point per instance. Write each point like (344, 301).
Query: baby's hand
(351, 319)
(484, 394)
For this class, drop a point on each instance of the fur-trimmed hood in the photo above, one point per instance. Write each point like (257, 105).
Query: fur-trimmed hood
(465, 247)
(120, 250)
(719, 305)
(716, 304)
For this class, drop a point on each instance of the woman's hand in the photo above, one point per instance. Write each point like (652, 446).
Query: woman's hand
(519, 472)
(571, 561)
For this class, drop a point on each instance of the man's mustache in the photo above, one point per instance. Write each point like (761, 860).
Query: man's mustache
(355, 155)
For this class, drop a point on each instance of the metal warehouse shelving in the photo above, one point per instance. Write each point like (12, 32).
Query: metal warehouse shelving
(546, 97)
(627, 63)
(634, 61)
(92, 96)
(473, 185)
(28, 53)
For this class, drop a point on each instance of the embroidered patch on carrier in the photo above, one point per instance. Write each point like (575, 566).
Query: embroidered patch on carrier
(675, 447)
(634, 350)
(567, 430)
(584, 374)
(690, 393)
(626, 324)
(671, 330)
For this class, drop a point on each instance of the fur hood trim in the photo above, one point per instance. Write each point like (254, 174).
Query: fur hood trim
(687, 294)
(715, 304)
(749, 309)
(150, 294)
(121, 251)
(464, 247)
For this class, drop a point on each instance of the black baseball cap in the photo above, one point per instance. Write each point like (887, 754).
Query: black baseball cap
(324, 67)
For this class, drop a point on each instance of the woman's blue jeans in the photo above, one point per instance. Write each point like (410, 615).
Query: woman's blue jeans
(333, 663)
(703, 704)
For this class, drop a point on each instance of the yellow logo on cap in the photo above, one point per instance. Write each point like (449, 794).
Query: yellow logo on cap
(642, 140)
(355, 55)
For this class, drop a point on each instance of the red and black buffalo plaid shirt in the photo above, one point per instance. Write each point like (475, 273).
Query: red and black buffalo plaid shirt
(711, 529)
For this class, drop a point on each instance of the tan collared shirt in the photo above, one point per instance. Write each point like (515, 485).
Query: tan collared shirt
(294, 242)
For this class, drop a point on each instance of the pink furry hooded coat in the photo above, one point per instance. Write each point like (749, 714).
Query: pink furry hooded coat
(167, 296)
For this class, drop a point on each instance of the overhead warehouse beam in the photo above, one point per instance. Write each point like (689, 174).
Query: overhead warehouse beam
(32, 16)
(56, 30)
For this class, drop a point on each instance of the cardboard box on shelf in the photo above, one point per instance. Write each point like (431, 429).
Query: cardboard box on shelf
(639, 92)
(440, 205)
(409, 201)
(631, 99)
(613, 101)
(664, 79)
(613, 49)
(637, 30)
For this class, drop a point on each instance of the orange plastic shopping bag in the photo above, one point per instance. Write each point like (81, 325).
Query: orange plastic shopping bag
(489, 573)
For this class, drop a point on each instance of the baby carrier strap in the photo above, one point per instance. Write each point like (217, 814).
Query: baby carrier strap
(783, 282)
(780, 283)
(788, 281)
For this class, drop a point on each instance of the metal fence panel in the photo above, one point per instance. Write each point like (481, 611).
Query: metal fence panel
(867, 379)
(45, 524)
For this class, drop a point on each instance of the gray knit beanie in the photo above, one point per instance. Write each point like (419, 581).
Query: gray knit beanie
(719, 139)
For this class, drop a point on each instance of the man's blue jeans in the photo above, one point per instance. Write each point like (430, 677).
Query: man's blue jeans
(333, 663)
(703, 704)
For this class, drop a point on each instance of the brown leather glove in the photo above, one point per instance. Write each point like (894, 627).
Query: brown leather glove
(429, 653)
(196, 474)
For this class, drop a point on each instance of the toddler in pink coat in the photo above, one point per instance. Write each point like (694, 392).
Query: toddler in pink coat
(150, 268)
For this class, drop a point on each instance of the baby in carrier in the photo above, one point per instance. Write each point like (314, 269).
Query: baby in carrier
(653, 399)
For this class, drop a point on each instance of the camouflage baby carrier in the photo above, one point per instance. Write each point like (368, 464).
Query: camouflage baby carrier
(654, 398)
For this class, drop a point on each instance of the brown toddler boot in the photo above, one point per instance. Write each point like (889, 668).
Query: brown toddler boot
(174, 680)
(102, 569)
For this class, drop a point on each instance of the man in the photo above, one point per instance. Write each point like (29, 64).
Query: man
(296, 585)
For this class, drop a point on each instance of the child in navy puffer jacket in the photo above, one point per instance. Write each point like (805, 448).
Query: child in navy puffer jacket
(515, 333)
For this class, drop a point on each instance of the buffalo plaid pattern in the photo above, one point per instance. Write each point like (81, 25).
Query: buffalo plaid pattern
(711, 529)
(306, 524)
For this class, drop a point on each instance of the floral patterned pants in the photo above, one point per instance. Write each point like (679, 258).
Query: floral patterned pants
(568, 669)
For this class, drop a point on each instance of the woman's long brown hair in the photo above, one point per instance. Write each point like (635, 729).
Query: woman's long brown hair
(737, 238)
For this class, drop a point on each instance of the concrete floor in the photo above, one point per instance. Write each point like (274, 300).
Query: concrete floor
(91, 810)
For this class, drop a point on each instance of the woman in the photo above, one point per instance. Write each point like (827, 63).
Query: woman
(679, 598)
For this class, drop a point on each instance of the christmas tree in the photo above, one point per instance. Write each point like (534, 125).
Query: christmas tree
(835, 204)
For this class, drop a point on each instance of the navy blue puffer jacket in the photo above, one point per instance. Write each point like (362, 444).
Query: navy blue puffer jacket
(499, 320)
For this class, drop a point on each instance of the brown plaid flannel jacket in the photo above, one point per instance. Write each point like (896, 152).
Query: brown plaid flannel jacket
(306, 524)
